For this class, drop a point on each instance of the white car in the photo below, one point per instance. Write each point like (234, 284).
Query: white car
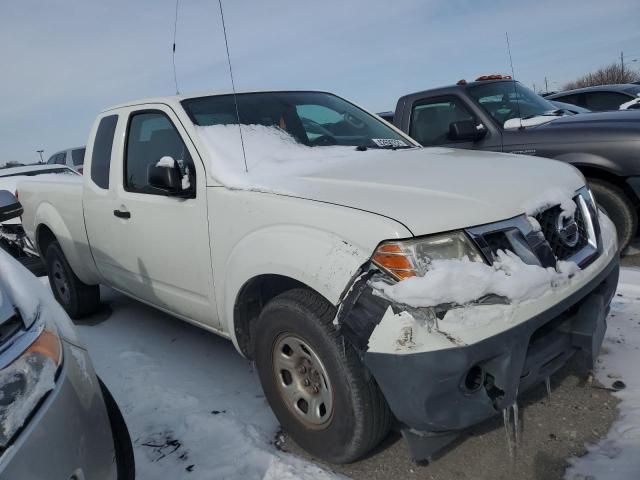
(369, 278)
(71, 157)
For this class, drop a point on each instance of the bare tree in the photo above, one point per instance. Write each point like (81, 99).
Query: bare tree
(613, 73)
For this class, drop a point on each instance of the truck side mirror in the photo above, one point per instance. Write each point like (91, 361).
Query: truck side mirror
(466, 130)
(165, 176)
(10, 207)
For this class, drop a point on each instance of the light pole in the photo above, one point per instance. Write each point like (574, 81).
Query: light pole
(41, 152)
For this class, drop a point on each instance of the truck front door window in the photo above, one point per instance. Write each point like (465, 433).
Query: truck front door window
(431, 119)
(152, 137)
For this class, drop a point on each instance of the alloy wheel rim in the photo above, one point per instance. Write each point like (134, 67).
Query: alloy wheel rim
(60, 282)
(302, 381)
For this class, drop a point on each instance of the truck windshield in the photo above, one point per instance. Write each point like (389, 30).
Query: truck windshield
(508, 100)
(311, 118)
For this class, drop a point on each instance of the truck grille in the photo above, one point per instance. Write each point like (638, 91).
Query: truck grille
(498, 241)
(548, 220)
(557, 239)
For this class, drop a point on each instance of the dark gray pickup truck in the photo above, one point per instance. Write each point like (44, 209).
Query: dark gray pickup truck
(503, 115)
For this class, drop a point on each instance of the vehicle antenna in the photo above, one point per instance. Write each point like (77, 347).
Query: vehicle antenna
(513, 78)
(173, 53)
(233, 86)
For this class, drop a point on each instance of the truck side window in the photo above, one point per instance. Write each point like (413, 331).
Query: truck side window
(430, 119)
(150, 137)
(77, 156)
(600, 101)
(101, 156)
(574, 99)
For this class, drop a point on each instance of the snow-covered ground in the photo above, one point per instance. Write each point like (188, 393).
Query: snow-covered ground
(195, 408)
(617, 457)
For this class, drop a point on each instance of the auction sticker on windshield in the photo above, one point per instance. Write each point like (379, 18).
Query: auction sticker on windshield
(388, 142)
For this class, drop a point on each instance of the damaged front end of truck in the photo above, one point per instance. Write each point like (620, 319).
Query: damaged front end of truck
(493, 328)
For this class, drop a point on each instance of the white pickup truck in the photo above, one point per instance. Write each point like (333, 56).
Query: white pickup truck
(373, 282)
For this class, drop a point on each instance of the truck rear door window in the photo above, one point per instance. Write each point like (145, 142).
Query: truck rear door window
(102, 145)
(151, 136)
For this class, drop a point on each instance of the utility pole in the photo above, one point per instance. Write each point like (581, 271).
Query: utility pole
(546, 85)
(41, 152)
(622, 62)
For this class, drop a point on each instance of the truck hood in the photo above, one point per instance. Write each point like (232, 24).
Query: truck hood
(432, 190)
(628, 119)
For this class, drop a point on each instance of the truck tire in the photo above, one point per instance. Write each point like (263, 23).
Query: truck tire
(619, 209)
(76, 297)
(125, 461)
(314, 381)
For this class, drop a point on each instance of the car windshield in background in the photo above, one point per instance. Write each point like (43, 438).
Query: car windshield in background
(66, 171)
(509, 99)
(311, 118)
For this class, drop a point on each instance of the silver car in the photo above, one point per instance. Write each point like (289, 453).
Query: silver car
(57, 419)
(71, 157)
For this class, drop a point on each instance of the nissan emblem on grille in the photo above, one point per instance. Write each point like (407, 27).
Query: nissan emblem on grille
(567, 229)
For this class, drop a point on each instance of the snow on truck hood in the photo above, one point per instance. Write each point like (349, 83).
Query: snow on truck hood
(427, 189)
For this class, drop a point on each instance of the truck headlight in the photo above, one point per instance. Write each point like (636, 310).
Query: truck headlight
(27, 379)
(411, 258)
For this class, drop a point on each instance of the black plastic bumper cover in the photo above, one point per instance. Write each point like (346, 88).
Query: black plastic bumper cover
(426, 391)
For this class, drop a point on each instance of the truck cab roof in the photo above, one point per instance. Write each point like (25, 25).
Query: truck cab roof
(432, 92)
(176, 99)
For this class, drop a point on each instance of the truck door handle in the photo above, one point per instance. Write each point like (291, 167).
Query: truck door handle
(121, 214)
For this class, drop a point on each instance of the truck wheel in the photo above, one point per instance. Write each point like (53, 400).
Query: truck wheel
(125, 461)
(619, 209)
(76, 297)
(314, 381)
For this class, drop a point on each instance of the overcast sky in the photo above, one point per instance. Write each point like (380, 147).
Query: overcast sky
(64, 61)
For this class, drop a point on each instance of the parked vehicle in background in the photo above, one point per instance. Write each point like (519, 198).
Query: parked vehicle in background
(71, 157)
(569, 107)
(602, 97)
(12, 236)
(498, 114)
(57, 419)
(317, 241)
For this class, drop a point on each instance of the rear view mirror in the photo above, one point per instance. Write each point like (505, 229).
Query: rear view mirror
(165, 176)
(466, 130)
(10, 207)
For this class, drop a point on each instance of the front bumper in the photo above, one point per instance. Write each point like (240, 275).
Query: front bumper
(427, 391)
(69, 436)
